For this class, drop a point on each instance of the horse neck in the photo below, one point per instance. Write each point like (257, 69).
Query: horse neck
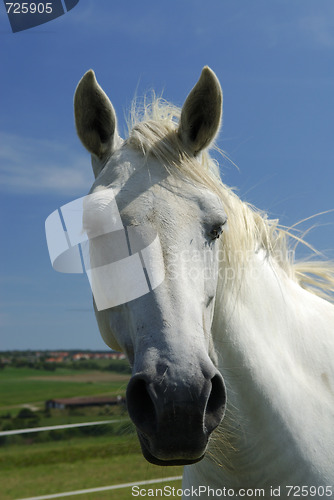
(275, 347)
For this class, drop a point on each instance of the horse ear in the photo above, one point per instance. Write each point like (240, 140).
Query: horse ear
(201, 113)
(95, 117)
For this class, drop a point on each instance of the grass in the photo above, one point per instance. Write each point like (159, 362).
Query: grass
(20, 386)
(31, 468)
(79, 464)
(69, 451)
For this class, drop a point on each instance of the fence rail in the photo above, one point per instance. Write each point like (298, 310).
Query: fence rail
(105, 488)
(56, 427)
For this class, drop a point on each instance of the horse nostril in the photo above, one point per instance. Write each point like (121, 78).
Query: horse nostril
(215, 407)
(140, 405)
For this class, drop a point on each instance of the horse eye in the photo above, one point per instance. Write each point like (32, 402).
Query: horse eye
(216, 231)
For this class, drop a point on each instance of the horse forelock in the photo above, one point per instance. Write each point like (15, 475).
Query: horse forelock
(153, 130)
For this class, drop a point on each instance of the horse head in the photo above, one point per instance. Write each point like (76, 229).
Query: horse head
(176, 396)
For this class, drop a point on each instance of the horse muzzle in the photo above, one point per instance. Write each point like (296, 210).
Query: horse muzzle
(174, 419)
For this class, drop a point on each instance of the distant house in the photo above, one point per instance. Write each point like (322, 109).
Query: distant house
(59, 359)
(97, 355)
(66, 403)
(80, 355)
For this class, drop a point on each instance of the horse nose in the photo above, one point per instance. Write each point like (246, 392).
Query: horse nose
(175, 419)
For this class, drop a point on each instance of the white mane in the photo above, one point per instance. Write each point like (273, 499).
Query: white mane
(153, 130)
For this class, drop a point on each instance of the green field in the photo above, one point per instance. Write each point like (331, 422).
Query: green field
(48, 468)
(20, 386)
(37, 464)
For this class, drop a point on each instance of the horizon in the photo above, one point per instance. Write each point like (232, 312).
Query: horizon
(106, 350)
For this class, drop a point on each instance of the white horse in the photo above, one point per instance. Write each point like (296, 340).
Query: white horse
(236, 323)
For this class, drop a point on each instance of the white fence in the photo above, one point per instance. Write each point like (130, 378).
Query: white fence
(55, 427)
(105, 488)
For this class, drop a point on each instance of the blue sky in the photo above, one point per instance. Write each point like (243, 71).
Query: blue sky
(275, 61)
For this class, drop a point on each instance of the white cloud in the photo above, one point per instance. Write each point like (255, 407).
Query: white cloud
(30, 165)
(300, 24)
(319, 28)
(115, 19)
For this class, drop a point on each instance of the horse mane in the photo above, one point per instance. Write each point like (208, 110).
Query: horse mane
(153, 130)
